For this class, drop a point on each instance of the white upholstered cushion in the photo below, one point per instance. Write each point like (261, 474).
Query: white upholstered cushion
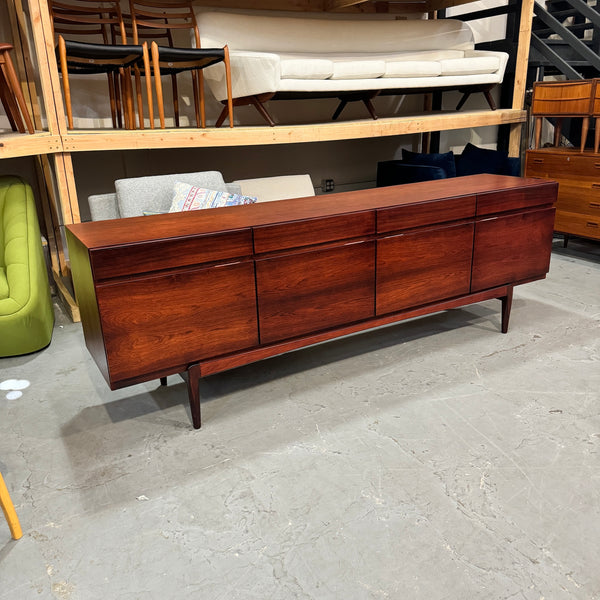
(357, 69)
(470, 66)
(266, 189)
(305, 67)
(412, 68)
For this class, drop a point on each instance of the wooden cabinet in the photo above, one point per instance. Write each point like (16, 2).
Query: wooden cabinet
(206, 291)
(578, 175)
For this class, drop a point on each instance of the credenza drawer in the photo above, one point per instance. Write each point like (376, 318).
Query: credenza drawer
(583, 225)
(310, 232)
(516, 199)
(398, 218)
(144, 257)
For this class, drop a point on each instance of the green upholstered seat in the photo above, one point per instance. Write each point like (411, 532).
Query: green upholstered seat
(26, 312)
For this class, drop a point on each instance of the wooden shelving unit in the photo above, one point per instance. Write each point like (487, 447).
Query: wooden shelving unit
(54, 145)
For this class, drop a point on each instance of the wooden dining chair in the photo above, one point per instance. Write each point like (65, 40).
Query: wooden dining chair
(11, 95)
(9, 511)
(75, 19)
(172, 60)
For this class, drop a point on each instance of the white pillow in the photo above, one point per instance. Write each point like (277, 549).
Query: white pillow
(190, 197)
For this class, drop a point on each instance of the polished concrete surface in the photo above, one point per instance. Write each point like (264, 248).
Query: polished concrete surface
(434, 459)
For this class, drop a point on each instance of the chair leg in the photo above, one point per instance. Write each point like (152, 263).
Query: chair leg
(197, 100)
(9, 511)
(138, 95)
(128, 98)
(62, 52)
(10, 105)
(462, 101)
(119, 106)
(228, 82)
(14, 84)
(538, 132)
(113, 100)
(339, 109)
(175, 90)
(158, 84)
(148, 77)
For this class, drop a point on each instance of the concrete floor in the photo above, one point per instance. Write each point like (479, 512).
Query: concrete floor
(434, 459)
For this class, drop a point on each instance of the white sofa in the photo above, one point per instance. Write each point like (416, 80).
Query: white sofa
(137, 196)
(353, 59)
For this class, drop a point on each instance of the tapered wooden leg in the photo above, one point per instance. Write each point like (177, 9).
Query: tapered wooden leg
(9, 511)
(339, 109)
(263, 111)
(138, 96)
(194, 394)
(228, 82)
(148, 78)
(558, 131)
(113, 100)
(10, 105)
(175, 92)
(585, 126)
(367, 102)
(197, 100)
(506, 306)
(158, 84)
(117, 83)
(462, 101)
(538, 132)
(11, 76)
(490, 100)
(62, 53)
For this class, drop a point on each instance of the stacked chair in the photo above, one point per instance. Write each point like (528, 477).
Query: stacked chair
(163, 18)
(97, 20)
(11, 95)
(560, 99)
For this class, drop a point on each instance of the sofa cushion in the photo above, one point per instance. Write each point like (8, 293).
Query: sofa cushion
(470, 66)
(4, 290)
(304, 67)
(443, 160)
(412, 68)
(154, 194)
(475, 160)
(355, 68)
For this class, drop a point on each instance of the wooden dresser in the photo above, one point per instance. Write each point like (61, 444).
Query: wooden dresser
(207, 291)
(578, 175)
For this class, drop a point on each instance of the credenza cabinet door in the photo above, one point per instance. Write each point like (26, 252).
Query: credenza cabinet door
(422, 267)
(168, 320)
(310, 291)
(512, 248)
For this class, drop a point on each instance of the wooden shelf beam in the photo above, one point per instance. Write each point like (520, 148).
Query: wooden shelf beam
(91, 140)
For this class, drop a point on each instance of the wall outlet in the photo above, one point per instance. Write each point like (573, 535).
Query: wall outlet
(327, 185)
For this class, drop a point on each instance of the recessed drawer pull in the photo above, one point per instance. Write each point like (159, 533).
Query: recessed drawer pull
(538, 161)
(592, 224)
(597, 165)
(596, 186)
(594, 204)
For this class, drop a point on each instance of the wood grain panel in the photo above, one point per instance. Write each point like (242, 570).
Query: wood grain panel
(579, 196)
(561, 163)
(310, 291)
(170, 253)
(503, 201)
(512, 248)
(282, 236)
(154, 323)
(425, 213)
(417, 268)
(584, 225)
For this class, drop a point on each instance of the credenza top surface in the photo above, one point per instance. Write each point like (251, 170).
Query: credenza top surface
(102, 234)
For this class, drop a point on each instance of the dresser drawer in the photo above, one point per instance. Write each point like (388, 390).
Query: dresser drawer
(310, 232)
(583, 225)
(579, 197)
(158, 255)
(426, 213)
(567, 165)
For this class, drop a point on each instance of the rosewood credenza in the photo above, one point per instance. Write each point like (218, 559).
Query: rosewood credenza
(208, 291)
